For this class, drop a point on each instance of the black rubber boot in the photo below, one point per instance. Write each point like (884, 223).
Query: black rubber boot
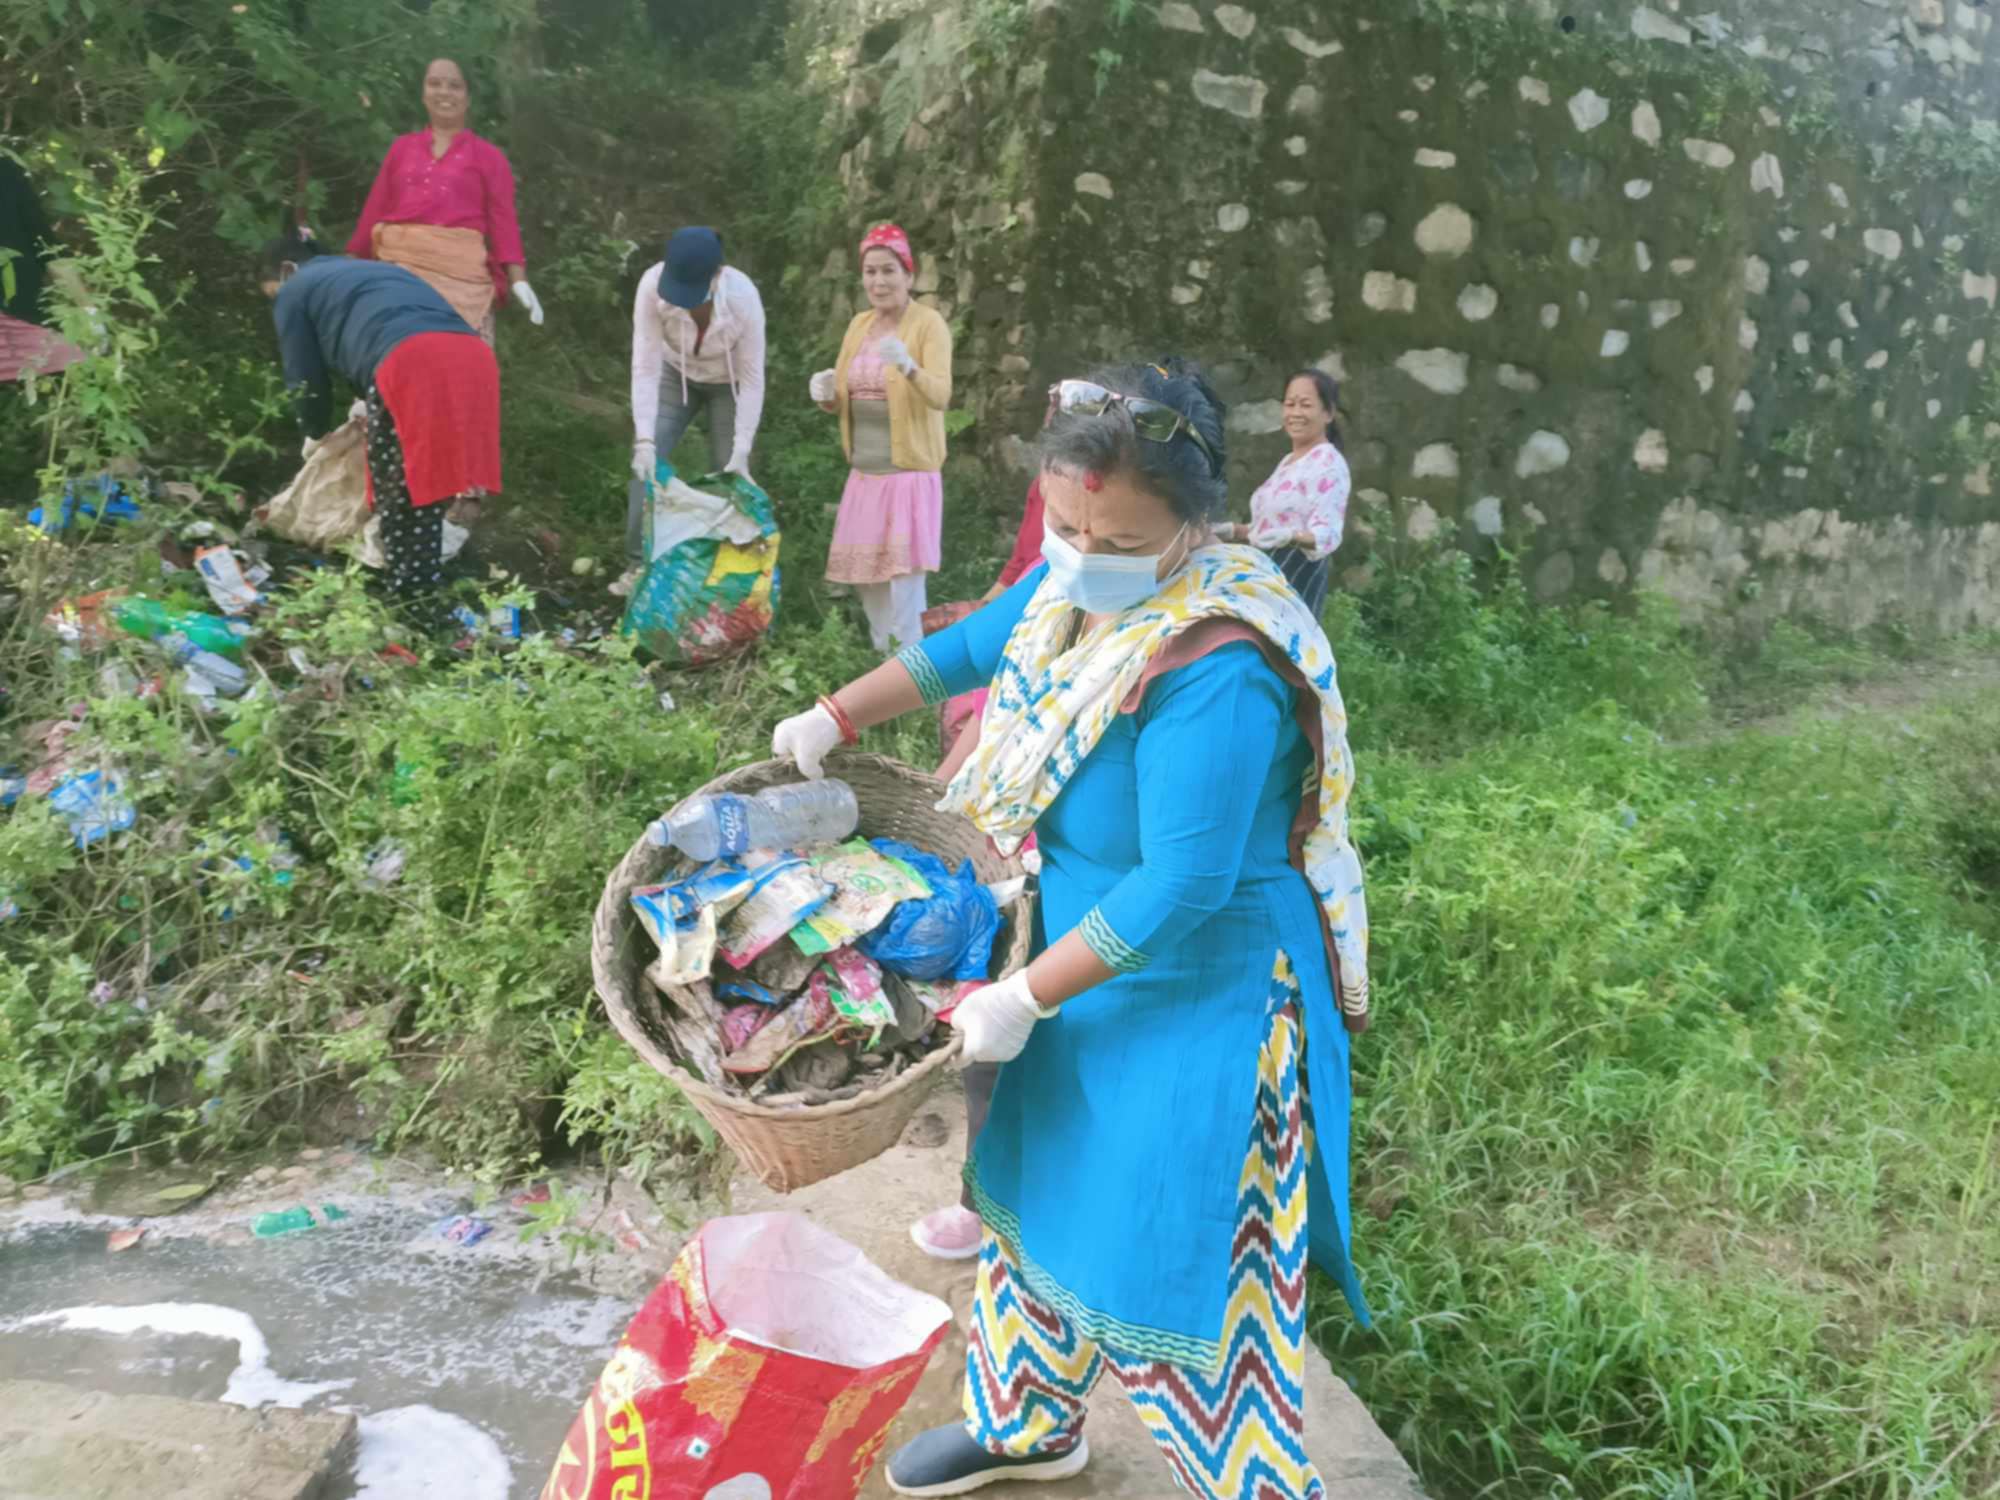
(946, 1461)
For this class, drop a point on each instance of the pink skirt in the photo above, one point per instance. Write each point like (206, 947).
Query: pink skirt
(888, 527)
(24, 348)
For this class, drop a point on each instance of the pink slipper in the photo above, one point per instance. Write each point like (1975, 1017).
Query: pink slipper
(949, 1234)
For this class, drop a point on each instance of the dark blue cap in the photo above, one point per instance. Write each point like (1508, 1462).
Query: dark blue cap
(694, 255)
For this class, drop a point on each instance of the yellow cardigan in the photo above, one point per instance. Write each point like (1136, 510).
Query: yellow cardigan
(916, 402)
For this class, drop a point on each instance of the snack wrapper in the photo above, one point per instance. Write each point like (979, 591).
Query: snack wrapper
(868, 885)
(855, 989)
(782, 900)
(233, 593)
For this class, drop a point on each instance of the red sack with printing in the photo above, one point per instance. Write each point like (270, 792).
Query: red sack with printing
(767, 1366)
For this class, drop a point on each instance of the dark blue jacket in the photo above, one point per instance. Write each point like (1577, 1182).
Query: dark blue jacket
(345, 316)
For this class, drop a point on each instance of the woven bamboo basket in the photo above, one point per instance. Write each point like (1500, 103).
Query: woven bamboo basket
(788, 1148)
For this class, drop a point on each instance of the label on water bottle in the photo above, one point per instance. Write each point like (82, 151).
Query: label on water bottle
(732, 821)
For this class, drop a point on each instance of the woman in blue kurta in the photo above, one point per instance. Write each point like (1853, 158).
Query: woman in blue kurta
(1163, 717)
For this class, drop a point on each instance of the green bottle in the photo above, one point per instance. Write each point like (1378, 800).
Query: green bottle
(138, 615)
(293, 1220)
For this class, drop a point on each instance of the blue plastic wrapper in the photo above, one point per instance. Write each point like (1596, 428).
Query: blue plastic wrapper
(949, 936)
(504, 620)
(118, 505)
(749, 990)
(720, 883)
(93, 804)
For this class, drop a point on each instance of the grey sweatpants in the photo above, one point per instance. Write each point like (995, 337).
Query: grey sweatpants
(718, 402)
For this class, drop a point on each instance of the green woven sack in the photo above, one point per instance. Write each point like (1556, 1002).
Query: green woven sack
(707, 598)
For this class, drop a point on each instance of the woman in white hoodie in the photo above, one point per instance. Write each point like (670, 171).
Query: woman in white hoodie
(697, 345)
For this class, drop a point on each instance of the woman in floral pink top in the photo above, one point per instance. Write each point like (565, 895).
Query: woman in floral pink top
(1298, 514)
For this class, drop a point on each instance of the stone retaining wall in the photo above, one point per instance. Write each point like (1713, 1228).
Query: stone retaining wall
(1698, 300)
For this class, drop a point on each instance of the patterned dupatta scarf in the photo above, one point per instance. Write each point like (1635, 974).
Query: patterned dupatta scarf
(1053, 698)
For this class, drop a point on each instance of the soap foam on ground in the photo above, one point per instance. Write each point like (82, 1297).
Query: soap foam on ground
(251, 1383)
(419, 1450)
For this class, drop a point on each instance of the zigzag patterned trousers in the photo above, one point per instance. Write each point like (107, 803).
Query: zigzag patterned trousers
(1233, 1434)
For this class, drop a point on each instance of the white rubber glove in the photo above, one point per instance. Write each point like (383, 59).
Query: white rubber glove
(358, 412)
(739, 463)
(525, 295)
(644, 462)
(821, 386)
(893, 351)
(806, 738)
(995, 1021)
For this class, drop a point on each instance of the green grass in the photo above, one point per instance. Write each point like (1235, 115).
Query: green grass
(1678, 1136)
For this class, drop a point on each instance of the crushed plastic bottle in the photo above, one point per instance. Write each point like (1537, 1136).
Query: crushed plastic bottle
(208, 674)
(780, 817)
(294, 1221)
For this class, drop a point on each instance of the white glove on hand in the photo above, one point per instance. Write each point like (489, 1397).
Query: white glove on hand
(806, 738)
(358, 412)
(739, 463)
(525, 295)
(893, 351)
(821, 386)
(644, 462)
(995, 1021)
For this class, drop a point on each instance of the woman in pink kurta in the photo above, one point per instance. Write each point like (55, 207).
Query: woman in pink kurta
(443, 207)
(1299, 513)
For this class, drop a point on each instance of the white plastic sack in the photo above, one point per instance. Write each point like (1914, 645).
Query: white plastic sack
(681, 513)
(780, 1280)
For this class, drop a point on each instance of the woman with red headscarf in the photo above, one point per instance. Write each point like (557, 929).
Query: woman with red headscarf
(890, 389)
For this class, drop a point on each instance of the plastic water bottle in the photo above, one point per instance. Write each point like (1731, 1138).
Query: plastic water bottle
(782, 817)
(228, 678)
(138, 615)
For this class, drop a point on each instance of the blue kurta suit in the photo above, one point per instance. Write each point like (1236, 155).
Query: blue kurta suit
(1111, 1156)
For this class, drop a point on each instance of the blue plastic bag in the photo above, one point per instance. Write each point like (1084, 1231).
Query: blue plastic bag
(948, 936)
(118, 505)
(93, 804)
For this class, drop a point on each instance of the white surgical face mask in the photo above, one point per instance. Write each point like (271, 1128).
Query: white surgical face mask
(1102, 583)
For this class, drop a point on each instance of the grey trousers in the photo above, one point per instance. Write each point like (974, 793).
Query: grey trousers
(718, 404)
(979, 1079)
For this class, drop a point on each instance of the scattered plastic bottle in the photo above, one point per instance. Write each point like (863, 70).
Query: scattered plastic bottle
(140, 616)
(781, 817)
(294, 1220)
(224, 675)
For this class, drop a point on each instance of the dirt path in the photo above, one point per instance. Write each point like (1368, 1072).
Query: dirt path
(1906, 688)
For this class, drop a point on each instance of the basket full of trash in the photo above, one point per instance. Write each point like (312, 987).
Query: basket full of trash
(789, 954)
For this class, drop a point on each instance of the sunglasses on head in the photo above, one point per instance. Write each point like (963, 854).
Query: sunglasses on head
(1155, 421)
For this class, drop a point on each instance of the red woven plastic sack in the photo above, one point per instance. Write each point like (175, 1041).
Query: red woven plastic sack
(767, 1366)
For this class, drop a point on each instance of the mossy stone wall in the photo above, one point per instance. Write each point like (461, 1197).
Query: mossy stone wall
(1699, 302)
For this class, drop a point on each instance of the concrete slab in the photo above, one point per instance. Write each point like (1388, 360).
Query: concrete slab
(873, 1207)
(61, 1443)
